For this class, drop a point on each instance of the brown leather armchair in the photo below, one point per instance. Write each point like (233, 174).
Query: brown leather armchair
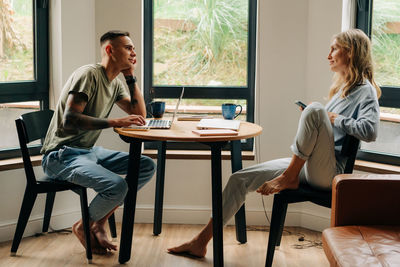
(365, 221)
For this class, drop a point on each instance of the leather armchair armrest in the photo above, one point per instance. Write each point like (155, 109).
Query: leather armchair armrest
(365, 199)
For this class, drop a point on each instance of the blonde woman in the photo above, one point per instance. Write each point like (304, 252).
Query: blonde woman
(352, 109)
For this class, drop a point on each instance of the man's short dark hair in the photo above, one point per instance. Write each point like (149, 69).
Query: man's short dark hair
(111, 35)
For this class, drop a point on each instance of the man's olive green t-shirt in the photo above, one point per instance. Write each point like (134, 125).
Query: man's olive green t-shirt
(92, 81)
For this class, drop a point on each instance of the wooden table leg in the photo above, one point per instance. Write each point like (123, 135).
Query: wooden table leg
(240, 216)
(128, 218)
(158, 203)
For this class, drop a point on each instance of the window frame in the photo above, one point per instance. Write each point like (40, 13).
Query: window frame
(222, 92)
(390, 94)
(37, 89)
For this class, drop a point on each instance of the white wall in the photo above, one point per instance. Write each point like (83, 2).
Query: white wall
(324, 20)
(293, 43)
(72, 29)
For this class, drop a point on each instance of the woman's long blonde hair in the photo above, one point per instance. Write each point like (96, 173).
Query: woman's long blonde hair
(358, 47)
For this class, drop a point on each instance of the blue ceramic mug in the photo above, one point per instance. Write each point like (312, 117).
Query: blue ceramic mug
(229, 111)
(157, 109)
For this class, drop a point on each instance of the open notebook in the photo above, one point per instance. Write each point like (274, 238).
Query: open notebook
(205, 124)
(216, 132)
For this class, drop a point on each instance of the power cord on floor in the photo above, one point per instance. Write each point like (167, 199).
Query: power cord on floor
(65, 231)
(266, 215)
(305, 243)
(265, 210)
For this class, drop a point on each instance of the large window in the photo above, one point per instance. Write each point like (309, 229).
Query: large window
(23, 65)
(380, 19)
(206, 46)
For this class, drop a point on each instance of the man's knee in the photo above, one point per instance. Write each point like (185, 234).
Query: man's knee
(148, 167)
(118, 190)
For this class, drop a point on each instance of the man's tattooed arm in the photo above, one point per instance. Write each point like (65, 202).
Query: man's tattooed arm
(74, 119)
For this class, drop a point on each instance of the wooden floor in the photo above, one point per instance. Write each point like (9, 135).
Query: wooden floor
(63, 249)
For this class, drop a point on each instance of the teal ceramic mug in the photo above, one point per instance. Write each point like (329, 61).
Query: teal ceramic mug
(157, 109)
(229, 111)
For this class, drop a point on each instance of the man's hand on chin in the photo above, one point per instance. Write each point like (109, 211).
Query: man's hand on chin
(129, 71)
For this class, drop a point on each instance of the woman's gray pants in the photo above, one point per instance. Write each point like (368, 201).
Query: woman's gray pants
(314, 143)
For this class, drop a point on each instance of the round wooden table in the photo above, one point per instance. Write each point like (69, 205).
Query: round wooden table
(181, 131)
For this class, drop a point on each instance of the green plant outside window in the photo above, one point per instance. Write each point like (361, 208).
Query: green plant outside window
(381, 19)
(386, 41)
(16, 41)
(24, 66)
(200, 43)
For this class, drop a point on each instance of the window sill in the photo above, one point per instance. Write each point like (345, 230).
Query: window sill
(196, 154)
(390, 117)
(198, 109)
(17, 163)
(374, 167)
(360, 165)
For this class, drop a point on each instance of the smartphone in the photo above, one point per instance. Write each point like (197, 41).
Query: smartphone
(300, 104)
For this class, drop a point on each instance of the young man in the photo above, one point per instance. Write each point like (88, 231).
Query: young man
(82, 111)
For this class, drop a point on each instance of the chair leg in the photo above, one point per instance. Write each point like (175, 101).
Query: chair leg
(282, 222)
(111, 224)
(47, 211)
(278, 211)
(25, 212)
(85, 220)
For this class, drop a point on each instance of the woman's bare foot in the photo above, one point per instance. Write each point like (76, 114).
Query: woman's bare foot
(194, 247)
(198, 245)
(289, 179)
(101, 235)
(282, 182)
(77, 229)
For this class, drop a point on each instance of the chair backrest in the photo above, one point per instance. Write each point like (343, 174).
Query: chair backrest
(30, 127)
(349, 149)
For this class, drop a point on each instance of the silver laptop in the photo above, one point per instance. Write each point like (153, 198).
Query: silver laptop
(164, 124)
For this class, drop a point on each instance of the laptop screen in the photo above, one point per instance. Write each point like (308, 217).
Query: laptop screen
(177, 104)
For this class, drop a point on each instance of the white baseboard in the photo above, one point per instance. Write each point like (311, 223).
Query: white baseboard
(34, 225)
(171, 214)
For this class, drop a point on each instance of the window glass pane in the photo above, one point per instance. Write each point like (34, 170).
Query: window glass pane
(207, 107)
(386, 41)
(388, 140)
(201, 43)
(16, 40)
(9, 112)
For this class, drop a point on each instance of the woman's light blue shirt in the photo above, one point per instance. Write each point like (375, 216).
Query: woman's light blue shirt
(358, 114)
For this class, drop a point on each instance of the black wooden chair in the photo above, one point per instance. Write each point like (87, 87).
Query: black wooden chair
(31, 127)
(304, 193)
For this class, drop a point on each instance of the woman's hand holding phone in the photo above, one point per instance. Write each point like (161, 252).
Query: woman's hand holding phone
(301, 105)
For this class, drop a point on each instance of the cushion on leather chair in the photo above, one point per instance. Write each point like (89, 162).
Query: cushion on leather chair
(350, 246)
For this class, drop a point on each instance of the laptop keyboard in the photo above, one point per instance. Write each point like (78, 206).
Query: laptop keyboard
(159, 123)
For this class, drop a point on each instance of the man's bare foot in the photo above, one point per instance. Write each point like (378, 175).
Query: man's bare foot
(77, 229)
(101, 236)
(193, 247)
(278, 184)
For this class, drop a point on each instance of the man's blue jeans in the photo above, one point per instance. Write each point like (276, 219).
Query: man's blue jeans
(97, 168)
